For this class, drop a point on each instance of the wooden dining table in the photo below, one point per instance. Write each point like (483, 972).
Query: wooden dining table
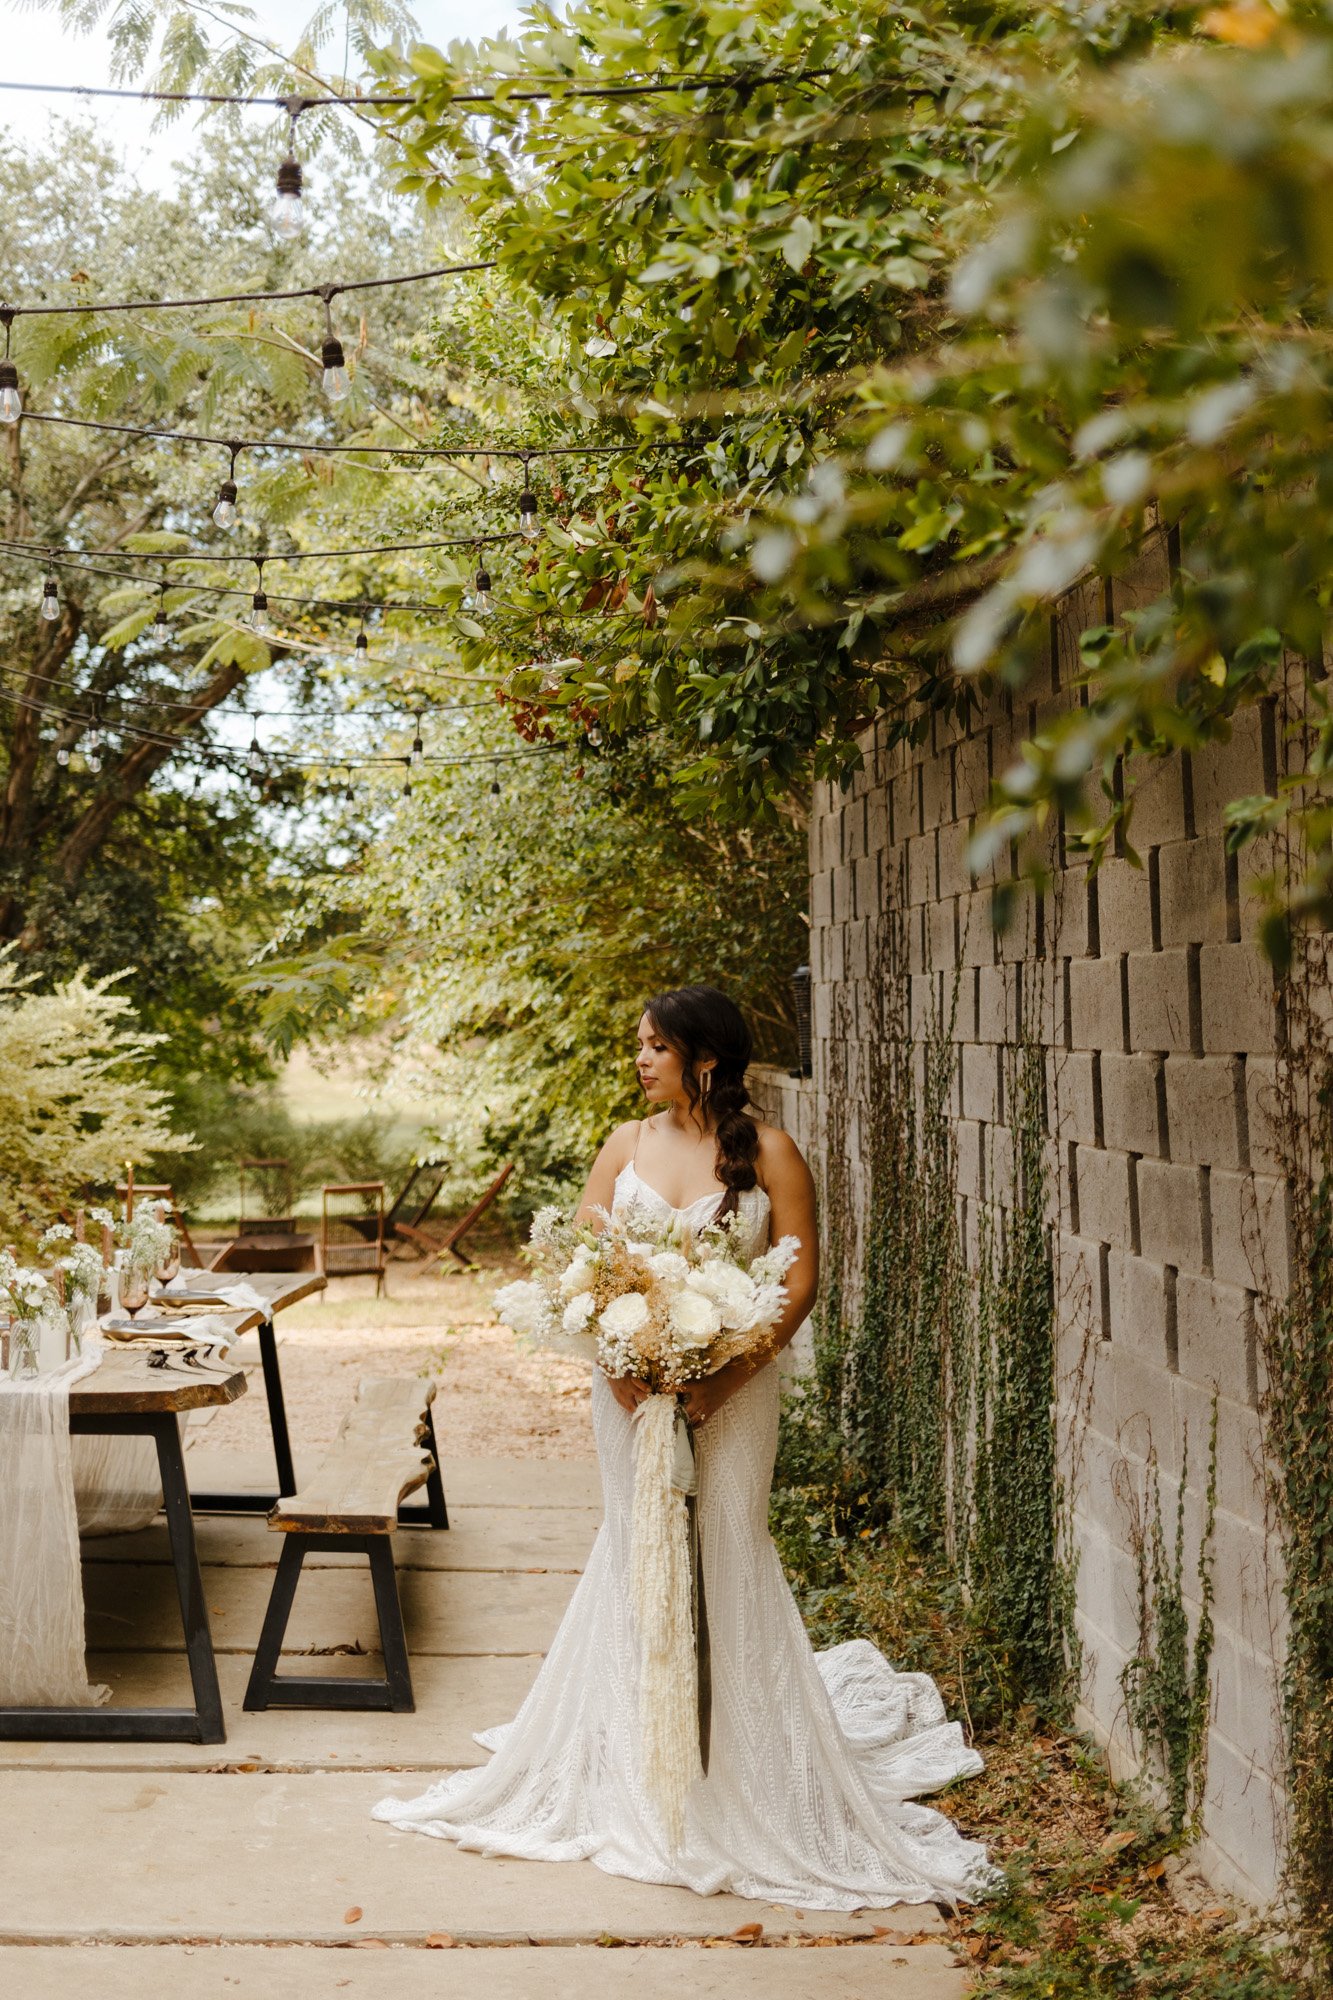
(144, 1391)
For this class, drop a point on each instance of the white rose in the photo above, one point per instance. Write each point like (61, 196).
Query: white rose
(729, 1289)
(695, 1320)
(578, 1276)
(577, 1313)
(522, 1306)
(669, 1267)
(625, 1316)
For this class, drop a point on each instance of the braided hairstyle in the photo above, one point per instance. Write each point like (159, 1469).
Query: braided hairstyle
(699, 1022)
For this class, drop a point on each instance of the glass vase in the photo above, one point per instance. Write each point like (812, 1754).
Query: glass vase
(22, 1350)
(133, 1289)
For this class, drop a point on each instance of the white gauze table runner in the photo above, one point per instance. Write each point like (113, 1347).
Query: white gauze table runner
(41, 1584)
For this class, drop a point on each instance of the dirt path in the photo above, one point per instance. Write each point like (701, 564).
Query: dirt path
(497, 1400)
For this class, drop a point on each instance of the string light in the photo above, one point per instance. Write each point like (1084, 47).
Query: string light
(407, 782)
(62, 756)
(481, 591)
(254, 760)
(11, 402)
(259, 602)
(333, 361)
(50, 609)
(287, 213)
(362, 642)
(161, 616)
(528, 524)
(418, 747)
(224, 514)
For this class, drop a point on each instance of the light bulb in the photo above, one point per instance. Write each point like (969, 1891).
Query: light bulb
(418, 751)
(287, 214)
(11, 403)
(336, 384)
(161, 617)
(259, 611)
(93, 740)
(62, 756)
(481, 587)
(50, 600)
(254, 760)
(495, 788)
(407, 788)
(362, 643)
(93, 761)
(528, 525)
(224, 514)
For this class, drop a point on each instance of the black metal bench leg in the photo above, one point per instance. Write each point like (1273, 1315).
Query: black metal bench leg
(268, 1652)
(189, 1581)
(393, 1639)
(270, 1689)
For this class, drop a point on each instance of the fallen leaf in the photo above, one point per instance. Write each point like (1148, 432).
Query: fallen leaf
(370, 1944)
(352, 1916)
(439, 1941)
(1155, 1870)
(1114, 1842)
(748, 1932)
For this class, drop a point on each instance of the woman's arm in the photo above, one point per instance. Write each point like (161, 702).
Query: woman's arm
(791, 1194)
(628, 1391)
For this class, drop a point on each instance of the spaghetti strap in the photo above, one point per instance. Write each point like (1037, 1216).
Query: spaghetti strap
(638, 1134)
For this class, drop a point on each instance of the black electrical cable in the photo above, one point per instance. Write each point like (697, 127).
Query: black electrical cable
(538, 91)
(40, 552)
(321, 292)
(520, 452)
(354, 606)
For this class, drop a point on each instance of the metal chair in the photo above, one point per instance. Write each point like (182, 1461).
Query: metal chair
(352, 1236)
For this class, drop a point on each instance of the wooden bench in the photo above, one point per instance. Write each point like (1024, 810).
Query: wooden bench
(385, 1450)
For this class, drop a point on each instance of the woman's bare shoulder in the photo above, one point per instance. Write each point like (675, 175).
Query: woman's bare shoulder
(618, 1147)
(779, 1155)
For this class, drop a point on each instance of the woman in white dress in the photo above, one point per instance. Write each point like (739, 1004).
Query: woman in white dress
(813, 1757)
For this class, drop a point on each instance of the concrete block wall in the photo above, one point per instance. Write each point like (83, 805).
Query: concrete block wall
(1167, 1204)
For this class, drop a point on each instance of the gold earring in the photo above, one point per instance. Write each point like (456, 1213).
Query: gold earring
(707, 1083)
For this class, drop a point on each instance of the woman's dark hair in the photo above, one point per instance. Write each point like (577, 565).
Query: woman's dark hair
(699, 1022)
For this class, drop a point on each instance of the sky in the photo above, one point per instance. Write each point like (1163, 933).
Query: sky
(38, 49)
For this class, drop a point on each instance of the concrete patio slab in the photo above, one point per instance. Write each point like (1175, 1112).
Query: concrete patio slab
(238, 1972)
(454, 1697)
(500, 1538)
(131, 1607)
(183, 1856)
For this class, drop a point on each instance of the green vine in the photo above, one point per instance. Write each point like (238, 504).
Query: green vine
(1167, 1684)
(930, 1413)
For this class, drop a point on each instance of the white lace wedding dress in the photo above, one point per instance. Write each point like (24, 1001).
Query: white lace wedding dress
(814, 1757)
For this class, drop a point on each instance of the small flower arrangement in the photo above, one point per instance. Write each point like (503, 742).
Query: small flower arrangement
(665, 1304)
(80, 1262)
(31, 1301)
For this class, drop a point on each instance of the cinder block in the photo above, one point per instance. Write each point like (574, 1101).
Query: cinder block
(1192, 890)
(1215, 1335)
(1130, 1103)
(941, 924)
(997, 1004)
(1205, 1109)
(843, 895)
(821, 897)
(853, 828)
(858, 961)
(1159, 801)
(1067, 928)
(877, 820)
(1247, 1579)
(1146, 577)
(1096, 1004)
(1171, 1215)
(905, 802)
(867, 885)
(970, 1167)
(936, 791)
(976, 932)
(1262, 1112)
(1072, 1095)
(1251, 1225)
(1140, 1307)
(1240, 1455)
(1242, 1814)
(972, 774)
(1226, 771)
(1105, 1205)
(921, 871)
(955, 877)
(1160, 1001)
(1124, 907)
(1236, 988)
(981, 1082)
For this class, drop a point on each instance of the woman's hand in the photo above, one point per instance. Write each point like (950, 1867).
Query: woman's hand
(704, 1398)
(628, 1391)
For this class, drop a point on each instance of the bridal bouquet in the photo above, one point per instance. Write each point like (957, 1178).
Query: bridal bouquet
(667, 1304)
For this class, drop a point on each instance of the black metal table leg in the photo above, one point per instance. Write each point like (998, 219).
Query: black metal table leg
(270, 1689)
(201, 1724)
(260, 1503)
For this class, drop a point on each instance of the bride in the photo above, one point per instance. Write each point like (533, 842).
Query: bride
(814, 1757)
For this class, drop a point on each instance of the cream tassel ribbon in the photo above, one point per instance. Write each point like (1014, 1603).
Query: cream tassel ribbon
(661, 1591)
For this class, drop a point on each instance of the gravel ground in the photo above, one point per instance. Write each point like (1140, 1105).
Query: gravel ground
(496, 1399)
